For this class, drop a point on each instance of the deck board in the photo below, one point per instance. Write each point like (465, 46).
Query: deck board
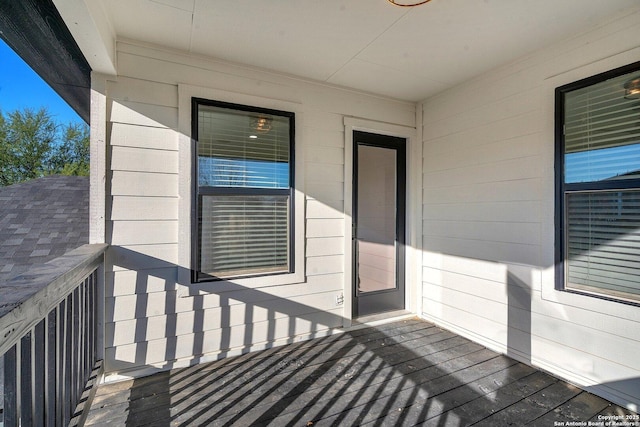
(534, 406)
(408, 372)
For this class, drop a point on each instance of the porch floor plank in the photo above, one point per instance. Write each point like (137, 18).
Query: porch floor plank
(407, 372)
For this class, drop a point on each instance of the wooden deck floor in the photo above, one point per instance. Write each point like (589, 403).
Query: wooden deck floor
(403, 373)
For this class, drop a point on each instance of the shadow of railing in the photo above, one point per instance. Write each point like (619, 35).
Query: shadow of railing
(359, 377)
(349, 378)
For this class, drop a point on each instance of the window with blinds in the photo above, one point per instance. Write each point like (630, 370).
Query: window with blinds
(244, 201)
(598, 167)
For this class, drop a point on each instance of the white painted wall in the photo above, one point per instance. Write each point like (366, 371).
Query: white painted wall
(155, 319)
(488, 210)
(487, 194)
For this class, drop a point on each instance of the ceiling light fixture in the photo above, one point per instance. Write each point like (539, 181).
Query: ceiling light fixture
(261, 124)
(632, 89)
(407, 3)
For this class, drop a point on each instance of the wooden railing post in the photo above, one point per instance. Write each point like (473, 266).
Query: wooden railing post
(49, 330)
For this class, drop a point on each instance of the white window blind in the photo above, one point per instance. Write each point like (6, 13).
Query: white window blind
(233, 153)
(601, 133)
(603, 241)
(244, 192)
(601, 182)
(244, 235)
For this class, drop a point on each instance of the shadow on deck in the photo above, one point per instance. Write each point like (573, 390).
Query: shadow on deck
(403, 373)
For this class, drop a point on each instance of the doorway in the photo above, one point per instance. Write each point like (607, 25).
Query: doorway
(378, 235)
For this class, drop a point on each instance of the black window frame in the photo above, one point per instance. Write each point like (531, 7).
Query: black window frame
(197, 275)
(562, 188)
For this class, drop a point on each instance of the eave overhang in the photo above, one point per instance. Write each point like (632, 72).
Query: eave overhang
(35, 30)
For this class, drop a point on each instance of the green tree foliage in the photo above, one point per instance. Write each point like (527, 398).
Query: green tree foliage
(72, 156)
(32, 145)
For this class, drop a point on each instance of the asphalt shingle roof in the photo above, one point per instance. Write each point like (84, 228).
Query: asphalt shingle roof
(40, 220)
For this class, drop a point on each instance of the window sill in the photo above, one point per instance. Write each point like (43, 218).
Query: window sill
(620, 299)
(588, 301)
(227, 285)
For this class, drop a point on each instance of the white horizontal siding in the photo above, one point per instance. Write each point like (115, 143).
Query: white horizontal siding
(173, 68)
(324, 246)
(490, 250)
(539, 329)
(497, 211)
(255, 317)
(142, 257)
(481, 269)
(332, 227)
(140, 208)
(568, 358)
(144, 205)
(324, 183)
(488, 218)
(127, 183)
(483, 121)
(527, 190)
(490, 172)
(128, 135)
(324, 137)
(144, 91)
(151, 319)
(144, 232)
(315, 171)
(143, 160)
(526, 233)
(140, 114)
(217, 312)
(325, 265)
(318, 210)
(220, 342)
(131, 282)
(156, 300)
(328, 155)
(324, 190)
(188, 317)
(443, 156)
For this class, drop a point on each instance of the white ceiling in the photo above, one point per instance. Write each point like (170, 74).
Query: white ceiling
(371, 45)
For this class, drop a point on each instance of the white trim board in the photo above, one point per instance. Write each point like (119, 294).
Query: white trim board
(413, 265)
(186, 151)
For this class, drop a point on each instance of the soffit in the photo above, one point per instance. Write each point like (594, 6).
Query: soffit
(370, 45)
(35, 30)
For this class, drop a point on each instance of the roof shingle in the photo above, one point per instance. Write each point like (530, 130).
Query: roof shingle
(40, 220)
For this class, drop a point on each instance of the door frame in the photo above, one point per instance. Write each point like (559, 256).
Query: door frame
(413, 209)
(381, 298)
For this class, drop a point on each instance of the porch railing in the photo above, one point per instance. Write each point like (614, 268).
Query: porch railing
(50, 338)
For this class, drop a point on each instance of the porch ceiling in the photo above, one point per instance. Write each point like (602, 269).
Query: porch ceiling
(370, 45)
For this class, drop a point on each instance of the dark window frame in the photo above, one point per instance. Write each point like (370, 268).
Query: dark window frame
(562, 188)
(196, 192)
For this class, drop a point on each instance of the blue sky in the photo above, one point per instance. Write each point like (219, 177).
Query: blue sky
(21, 87)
